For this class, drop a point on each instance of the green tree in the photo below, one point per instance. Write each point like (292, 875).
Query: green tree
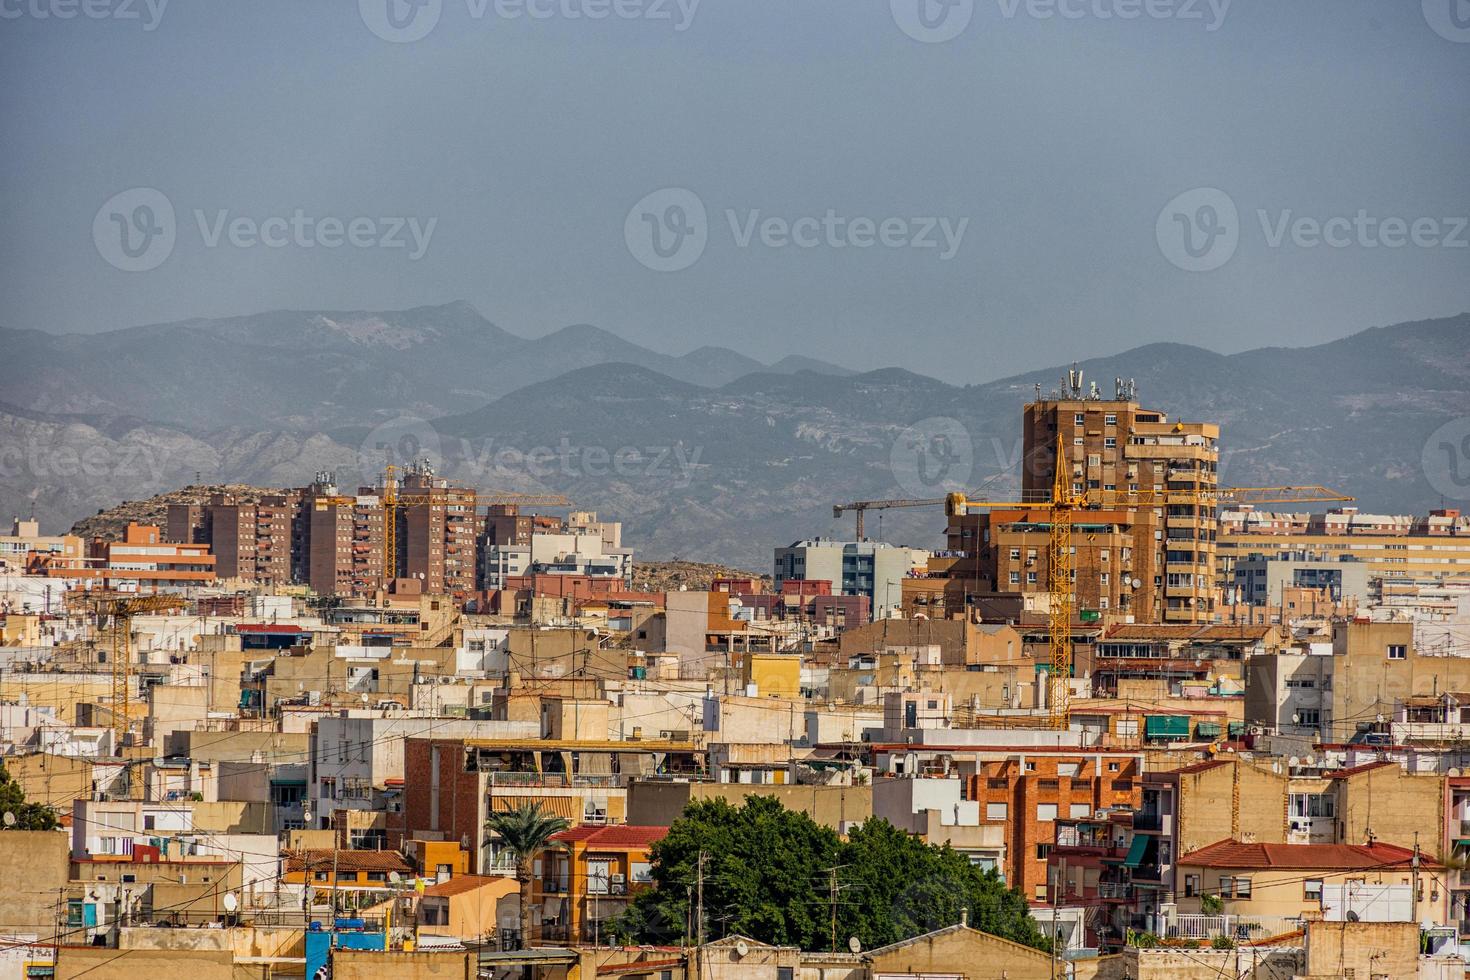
(768, 873)
(759, 864)
(525, 832)
(901, 887)
(28, 816)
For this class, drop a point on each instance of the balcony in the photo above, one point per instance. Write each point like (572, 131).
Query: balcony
(1114, 890)
(1149, 873)
(1148, 820)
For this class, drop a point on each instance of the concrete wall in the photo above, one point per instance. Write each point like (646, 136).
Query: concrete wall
(98, 963)
(1266, 963)
(659, 804)
(34, 866)
(351, 964)
(1370, 949)
(958, 952)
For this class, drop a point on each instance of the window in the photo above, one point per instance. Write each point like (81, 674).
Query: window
(995, 811)
(1030, 767)
(599, 877)
(1110, 419)
(1046, 812)
(1308, 717)
(1110, 442)
(785, 973)
(1015, 578)
(1312, 890)
(1043, 851)
(1242, 888)
(1079, 811)
(1397, 651)
(1114, 766)
(1030, 578)
(1015, 554)
(1191, 886)
(1079, 418)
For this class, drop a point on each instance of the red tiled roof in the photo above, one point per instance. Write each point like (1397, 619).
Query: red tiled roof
(347, 860)
(1230, 853)
(460, 884)
(617, 835)
(268, 628)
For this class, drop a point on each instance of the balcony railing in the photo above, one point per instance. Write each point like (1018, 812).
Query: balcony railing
(1148, 820)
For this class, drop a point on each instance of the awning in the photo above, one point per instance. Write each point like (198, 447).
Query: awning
(1135, 851)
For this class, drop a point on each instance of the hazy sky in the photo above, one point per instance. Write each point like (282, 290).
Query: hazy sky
(1035, 150)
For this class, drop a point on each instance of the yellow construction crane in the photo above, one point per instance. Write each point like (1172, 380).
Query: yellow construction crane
(392, 500)
(1063, 503)
(120, 609)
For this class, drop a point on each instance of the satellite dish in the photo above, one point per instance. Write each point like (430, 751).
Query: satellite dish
(395, 877)
(9, 819)
(1138, 583)
(1293, 762)
(231, 903)
(742, 948)
(854, 944)
(1352, 916)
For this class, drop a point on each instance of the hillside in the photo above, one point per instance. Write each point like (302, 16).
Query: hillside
(726, 472)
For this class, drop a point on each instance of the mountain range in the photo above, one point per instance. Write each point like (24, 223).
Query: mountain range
(710, 455)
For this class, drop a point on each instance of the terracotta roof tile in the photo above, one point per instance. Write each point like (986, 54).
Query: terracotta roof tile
(1302, 857)
(617, 835)
(348, 860)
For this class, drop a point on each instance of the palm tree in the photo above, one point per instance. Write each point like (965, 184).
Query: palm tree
(525, 832)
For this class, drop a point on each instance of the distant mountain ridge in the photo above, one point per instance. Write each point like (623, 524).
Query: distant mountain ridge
(701, 456)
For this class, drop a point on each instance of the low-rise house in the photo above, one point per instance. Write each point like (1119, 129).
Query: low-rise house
(1275, 885)
(591, 880)
(470, 907)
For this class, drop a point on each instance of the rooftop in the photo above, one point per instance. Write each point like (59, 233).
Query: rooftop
(1231, 853)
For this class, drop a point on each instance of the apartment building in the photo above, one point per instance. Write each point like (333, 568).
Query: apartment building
(141, 561)
(564, 552)
(25, 537)
(344, 541)
(1436, 546)
(590, 879)
(1153, 562)
(436, 532)
(874, 569)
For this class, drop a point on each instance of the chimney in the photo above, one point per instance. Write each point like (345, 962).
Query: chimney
(965, 916)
